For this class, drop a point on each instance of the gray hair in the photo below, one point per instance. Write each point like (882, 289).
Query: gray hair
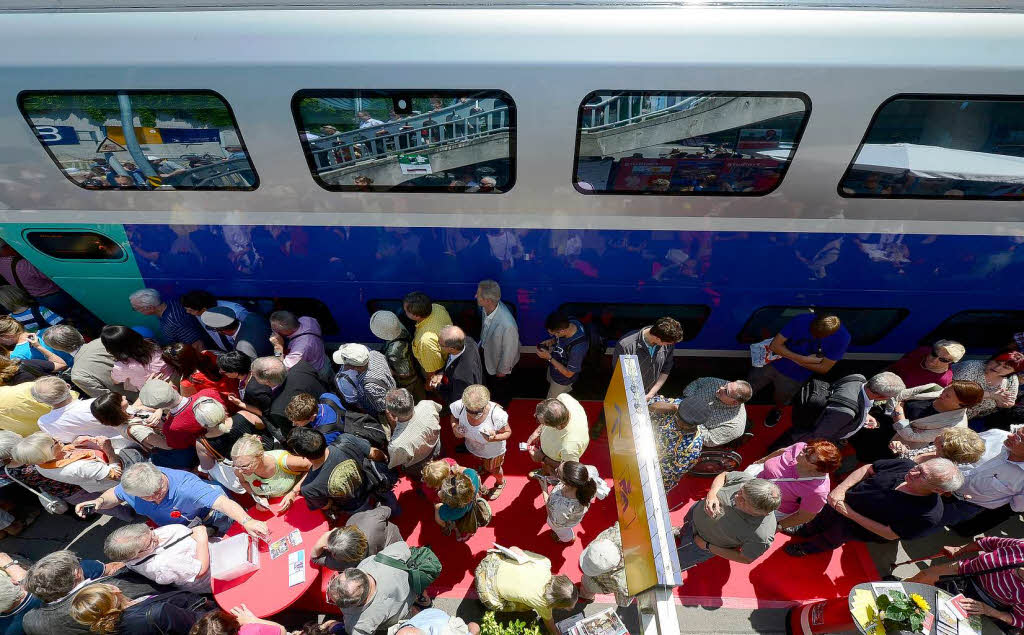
(349, 588)
(887, 384)
(145, 298)
(34, 449)
(8, 440)
(142, 479)
(762, 495)
(347, 544)
(53, 576)
(209, 412)
(52, 391)
(552, 413)
(284, 320)
(489, 180)
(127, 542)
(943, 475)
(560, 592)
(490, 290)
(400, 403)
(452, 337)
(269, 370)
(10, 594)
(745, 392)
(64, 338)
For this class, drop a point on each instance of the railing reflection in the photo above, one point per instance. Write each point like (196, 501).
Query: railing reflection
(621, 110)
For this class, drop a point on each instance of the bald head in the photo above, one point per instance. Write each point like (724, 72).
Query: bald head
(452, 339)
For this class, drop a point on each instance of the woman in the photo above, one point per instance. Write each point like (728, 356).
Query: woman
(25, 345)
(266, 475)
(19, 371)
(143, 426)
(523, 581)
(104, 609)
(929, 364)
(568, 501)
(25, 310)
(198, 370)
(89, 462)
(136, 358)
(679, 442)
(223, 431)
(240, 621)
(997, 376)
(801, 472)
(458, 494)
(960, 445)
(28, 475)
(917, 422)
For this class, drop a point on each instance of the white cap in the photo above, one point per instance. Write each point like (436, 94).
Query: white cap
(352, 355)
(385, 325)
(600, 556)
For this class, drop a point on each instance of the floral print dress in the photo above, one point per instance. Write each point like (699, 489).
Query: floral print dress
(678, 451)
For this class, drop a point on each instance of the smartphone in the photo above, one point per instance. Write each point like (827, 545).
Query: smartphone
(523, 446)
(88, 510)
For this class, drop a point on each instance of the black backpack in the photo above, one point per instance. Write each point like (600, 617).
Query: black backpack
(817, 394)
(595, 345)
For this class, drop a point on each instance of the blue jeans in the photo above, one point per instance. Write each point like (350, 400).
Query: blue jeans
(220, 522)
(690, 555)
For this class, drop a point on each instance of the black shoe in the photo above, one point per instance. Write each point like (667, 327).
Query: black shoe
(796, 549)
(773, 418)
(461, 448)
(792, 531)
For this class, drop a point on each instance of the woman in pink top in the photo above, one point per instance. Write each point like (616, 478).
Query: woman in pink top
(801, 472)
(240, 621)
(929, 364)
(135, 357)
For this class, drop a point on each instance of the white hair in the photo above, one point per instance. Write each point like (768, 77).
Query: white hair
(943, 475)
(10, 594)
(209, 412)
(269, 370)
(762, 495)
(34, 449)
(489, 289)
(127, 542)
(8, 440)
(142, 479)
(489, 180)
(52, 391)
(145, 298)
(64, 338)
(888, 385)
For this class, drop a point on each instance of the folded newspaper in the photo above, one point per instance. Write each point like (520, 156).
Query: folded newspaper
(505, 551)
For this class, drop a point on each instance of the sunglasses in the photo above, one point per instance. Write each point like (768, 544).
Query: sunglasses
(475, 413)
(944, 360)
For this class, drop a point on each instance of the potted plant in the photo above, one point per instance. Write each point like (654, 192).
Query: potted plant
(898, 614)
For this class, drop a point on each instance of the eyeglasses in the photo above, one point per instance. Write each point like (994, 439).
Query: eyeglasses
(944, 360)
(475, 413)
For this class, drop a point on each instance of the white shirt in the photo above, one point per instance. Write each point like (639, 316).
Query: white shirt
(454, 356)
(89, 474)
(414, 440)
(495, 420)
(370, 122)
(175, 565)
(994, 480)
(75, 420)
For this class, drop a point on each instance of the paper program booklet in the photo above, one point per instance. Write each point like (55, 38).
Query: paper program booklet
(606, 622)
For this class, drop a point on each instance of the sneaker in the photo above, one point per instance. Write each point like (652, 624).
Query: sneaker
(773, 418)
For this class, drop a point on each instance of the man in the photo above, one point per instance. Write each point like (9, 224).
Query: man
(562, 433)
(499, 340)
(719, 406)
(181, 430)
(252, 395)
(993, 483)
(398, 351)
(175, 497)
(564, 352)
(250, 335)
(366, 121)
(839, 420)
(58, 576)
(337, 482)
(434, 621)
(69, 418)
(175, 323)
(416, 432)
(430, 318)
(172, 555)
(373, 595)
(653, 346)
(284, 383)
(736, 522)
(463, 367)
(809, 345)
(893, 499)
(62, 340)
(91, 364)
(197, 302)
(299, 339)
(367, 373)
(604, 568)
(15, 601)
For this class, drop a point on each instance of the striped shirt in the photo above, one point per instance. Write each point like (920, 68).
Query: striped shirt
(1005, 586)
(178, 326)
(425, 347)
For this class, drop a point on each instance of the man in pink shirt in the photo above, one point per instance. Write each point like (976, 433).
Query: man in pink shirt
(801, 473)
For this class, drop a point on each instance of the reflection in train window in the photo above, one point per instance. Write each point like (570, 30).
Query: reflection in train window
(866, 326)
(615, 320)
(464, 313)
(312, 307)
(428, 141)
(927, 146)
(976, 329)
(688, 143)
(75, 245)
(135, 140)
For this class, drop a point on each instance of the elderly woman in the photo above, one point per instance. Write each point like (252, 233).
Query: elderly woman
(28, 475)
(801, 471)
(918, 421)
(524, 582)
(105, 609)
(997, 376)
(25, 345)
(603, 567)
(679, 437)
(224, 431)
(89, 462)
(960, 445)
(266, 475)
(929, 364)
(172, 555)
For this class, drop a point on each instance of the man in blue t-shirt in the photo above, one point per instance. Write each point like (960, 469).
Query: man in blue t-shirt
(564, 352)
(809, 344)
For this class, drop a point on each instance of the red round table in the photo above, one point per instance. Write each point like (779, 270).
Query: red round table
(266, 591)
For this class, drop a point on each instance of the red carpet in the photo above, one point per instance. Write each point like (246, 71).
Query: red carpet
(775, 580)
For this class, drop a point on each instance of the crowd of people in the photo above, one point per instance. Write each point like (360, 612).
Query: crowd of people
(179, 432)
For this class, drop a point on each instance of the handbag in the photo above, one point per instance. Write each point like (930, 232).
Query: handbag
(222, 471)
(51, 504)
(965, 583)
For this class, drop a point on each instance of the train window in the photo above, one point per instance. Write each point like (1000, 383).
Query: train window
(141, 140)
(299, 306)
(408, 140)
(979, 329)
(615, 320)
(931, 146)
(866, 325)
(75, 245)
(686, 143)
(464, 313)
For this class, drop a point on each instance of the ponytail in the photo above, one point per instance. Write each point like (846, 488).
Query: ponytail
(99, 607)
(577, 475)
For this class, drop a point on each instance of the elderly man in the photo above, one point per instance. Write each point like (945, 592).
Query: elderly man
(284, 383)
(69, 418)
(847, 408)
(562, 433)
(365, 377)
(337, 480)
(375, 595)
(430, 318)
(197, 302)
(15, 602)
(603, 567)
(416, 432)
(995, 481)
(175, 322)
(252, 395)
(886, 500)
(175, 497)
(249, 334)
(55, 579)
(62, 340)
(735, 521)
(181, 430)
(300, 339)
(499, 340)
(172, 555)
(653, 346)
(718, 405)
(463, 367)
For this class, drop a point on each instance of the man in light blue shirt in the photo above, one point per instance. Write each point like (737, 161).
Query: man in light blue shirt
(436, 622)
(499, 341)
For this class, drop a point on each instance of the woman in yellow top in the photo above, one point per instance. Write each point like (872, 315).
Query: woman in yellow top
(507, 584)
(268, 474)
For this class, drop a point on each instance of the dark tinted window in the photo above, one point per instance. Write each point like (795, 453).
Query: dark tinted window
(176, 140)
(465, 314)
(686, 142)
(866, 326)
(75, 245)
(615, 320)
(920, 146)
(299, 306)
(979, 329)
(433, 141)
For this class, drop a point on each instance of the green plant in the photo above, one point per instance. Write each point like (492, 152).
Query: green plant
(491, 626)
(897, 612)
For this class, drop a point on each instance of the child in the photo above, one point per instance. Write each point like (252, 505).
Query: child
(484, 426)
(435, 473)
(568, 501)
(459, 494)
(326, 414)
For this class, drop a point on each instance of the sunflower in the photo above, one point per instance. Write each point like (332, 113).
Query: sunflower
(920, 602)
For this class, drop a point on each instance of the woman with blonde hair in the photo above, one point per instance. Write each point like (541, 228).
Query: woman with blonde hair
(265, 474)
(105, 609)
(89, 462)
(960, 445)
(25, 345)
